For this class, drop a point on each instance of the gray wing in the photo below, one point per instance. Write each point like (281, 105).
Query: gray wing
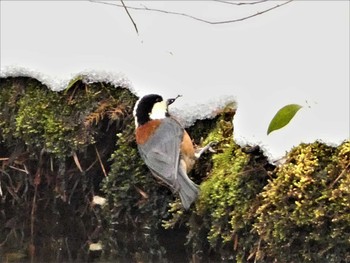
(161, 152)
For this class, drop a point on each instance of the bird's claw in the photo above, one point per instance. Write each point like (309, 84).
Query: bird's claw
(211, 145)
(208, 147)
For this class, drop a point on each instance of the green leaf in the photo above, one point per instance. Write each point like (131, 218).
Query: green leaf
(283, 117)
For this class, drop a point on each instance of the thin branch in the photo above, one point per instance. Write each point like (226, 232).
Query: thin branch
(240, 3)
(144, 8)
(101, 164)
(77, 163)
(340, 175)
(132, 20)
(18, 169)
(253, 15)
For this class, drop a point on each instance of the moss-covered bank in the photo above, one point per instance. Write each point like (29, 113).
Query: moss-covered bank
(60, 149)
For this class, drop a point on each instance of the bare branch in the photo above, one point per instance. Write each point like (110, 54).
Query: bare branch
(101, 163)
(132, 20)
(253, 15)
(144, 8)
(240, 3)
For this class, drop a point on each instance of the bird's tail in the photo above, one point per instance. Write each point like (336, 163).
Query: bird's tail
(188, 190)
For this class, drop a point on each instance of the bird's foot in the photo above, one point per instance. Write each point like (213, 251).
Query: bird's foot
(206, 148)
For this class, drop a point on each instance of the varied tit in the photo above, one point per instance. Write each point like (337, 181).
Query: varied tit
(165, 146)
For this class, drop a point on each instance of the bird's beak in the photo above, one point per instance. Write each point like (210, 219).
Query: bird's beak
(171, 101)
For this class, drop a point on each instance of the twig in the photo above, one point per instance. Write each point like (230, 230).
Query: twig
(240, 3)
(101, 164)
(51, 164)
(9, 177)
(32, 223)
(91, 165)
(19, 169)
(72, 192)
(132, 20)
(339, 176)
(76, 160)
(144, 8)
(142, 193)
(257, 251)
(253, 15)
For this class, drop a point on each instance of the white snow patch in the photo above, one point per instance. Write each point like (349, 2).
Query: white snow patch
(17, 71)
(315, 122)
(116, 79)
(188, 114)
(57, 84)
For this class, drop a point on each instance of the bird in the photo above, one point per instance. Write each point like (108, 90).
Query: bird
(166, 147)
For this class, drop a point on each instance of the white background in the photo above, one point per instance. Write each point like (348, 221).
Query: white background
(298, 53)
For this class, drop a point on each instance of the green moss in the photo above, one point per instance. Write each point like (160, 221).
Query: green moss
(301, 214)
(133, 193)
(298, 217)
(218, 192)
(136, 202)
(229, 195)
(40, 122)
(54, 148)
(10, 93)
(224, 213)
(59, 123)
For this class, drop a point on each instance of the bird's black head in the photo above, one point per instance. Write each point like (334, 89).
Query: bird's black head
(143, 108)
(151, 107)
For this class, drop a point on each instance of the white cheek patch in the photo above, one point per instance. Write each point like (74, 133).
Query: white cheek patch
(158, 111)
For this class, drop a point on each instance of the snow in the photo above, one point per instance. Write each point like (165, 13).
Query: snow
(56, 83)
(275, 145)
(270, 61)
(186, 114)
